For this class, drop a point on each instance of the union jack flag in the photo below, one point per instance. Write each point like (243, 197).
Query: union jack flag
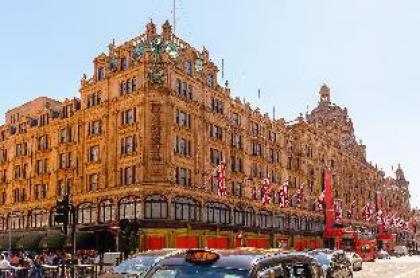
(266, 191)
(299, 195)
(338, 212)
(380, 217)
(350, 211)
(366, 212)
(284, 200)
(321, 201)
(221, 178)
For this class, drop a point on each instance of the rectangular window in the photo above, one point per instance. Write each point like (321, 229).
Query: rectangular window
(67, 111)
(64, 187)
(43, 143)
(22, 128)
(183, 176)
(66, 135)
(257, 149)
(94, 99)
(183, 89)
(124, 63)
(44, 119)
(237, 189)
(216, 132)
(128, 117)
(237, 164)
(183, 119)
(274, 156)
(182, 146)
(21, 149)
(95, 127)
(217, 106)
(94, 153)
(40, 191)
(41, 166)
(255, 129)
(128, 175)
(234, 119)
(93, 182)
(17, 172)
(216, 156)
(101, 73)
(272, 136)
(236, 141)
(128, 145)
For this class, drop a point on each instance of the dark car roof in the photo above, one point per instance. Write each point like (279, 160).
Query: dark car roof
(243, 259)
(155, 253)
(238, 259)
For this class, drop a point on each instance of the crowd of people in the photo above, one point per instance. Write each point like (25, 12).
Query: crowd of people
(46, 264)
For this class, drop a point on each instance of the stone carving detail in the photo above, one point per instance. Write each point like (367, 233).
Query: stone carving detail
(155, 133)
(157, 75)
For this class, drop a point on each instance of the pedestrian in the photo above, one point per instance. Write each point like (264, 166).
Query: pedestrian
(37, 270)
(5, 267)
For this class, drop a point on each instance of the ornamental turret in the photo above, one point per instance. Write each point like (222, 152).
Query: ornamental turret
(150, 31)
(166, 31)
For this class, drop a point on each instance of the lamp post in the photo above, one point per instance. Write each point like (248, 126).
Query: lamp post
(10, 229)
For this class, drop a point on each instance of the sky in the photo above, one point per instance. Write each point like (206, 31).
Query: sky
(367, 51)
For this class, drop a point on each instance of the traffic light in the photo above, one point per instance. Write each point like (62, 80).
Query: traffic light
(62, 213)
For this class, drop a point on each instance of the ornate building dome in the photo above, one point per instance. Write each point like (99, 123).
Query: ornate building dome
(335, 121)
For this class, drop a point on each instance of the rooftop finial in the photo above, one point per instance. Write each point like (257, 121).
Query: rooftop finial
(324, 93)
(150, 30)
(166, 31)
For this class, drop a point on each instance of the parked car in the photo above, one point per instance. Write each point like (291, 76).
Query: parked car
(237, 263)
(382, 254)
(137, 265)
(334, 263)
(355, 260)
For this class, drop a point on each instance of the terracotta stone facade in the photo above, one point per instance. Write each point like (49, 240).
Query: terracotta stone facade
(145, 136)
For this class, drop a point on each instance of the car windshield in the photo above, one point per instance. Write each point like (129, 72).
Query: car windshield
(137, 265)
(198, 271)
(323, 259)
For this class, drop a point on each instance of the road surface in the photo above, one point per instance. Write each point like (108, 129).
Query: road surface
(404, 267)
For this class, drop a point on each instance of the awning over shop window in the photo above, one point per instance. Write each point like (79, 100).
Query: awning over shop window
(29, 241)
(85, 240)
(4, 241)
(52, 240)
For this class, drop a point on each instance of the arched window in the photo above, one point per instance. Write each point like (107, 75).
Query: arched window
(265, 219)
(280, 222)
(188, 67)
(130, 208)
(294, 223)
(238, 216)
(217, 213)
(155, 207)
(304, 224)
(38, 218)
(249, 217)
(106, 211)
(17, 220)
(184, 208)
(85, 214)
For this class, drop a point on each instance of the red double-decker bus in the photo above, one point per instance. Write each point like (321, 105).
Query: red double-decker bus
(360, 242)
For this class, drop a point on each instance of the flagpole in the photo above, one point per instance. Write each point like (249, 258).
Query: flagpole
(174, 15)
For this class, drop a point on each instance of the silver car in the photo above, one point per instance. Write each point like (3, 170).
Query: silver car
(355, 260)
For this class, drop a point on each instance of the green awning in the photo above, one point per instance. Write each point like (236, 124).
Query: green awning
(4, 241)
(29, 241)
(53, 240)
(85, 240)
